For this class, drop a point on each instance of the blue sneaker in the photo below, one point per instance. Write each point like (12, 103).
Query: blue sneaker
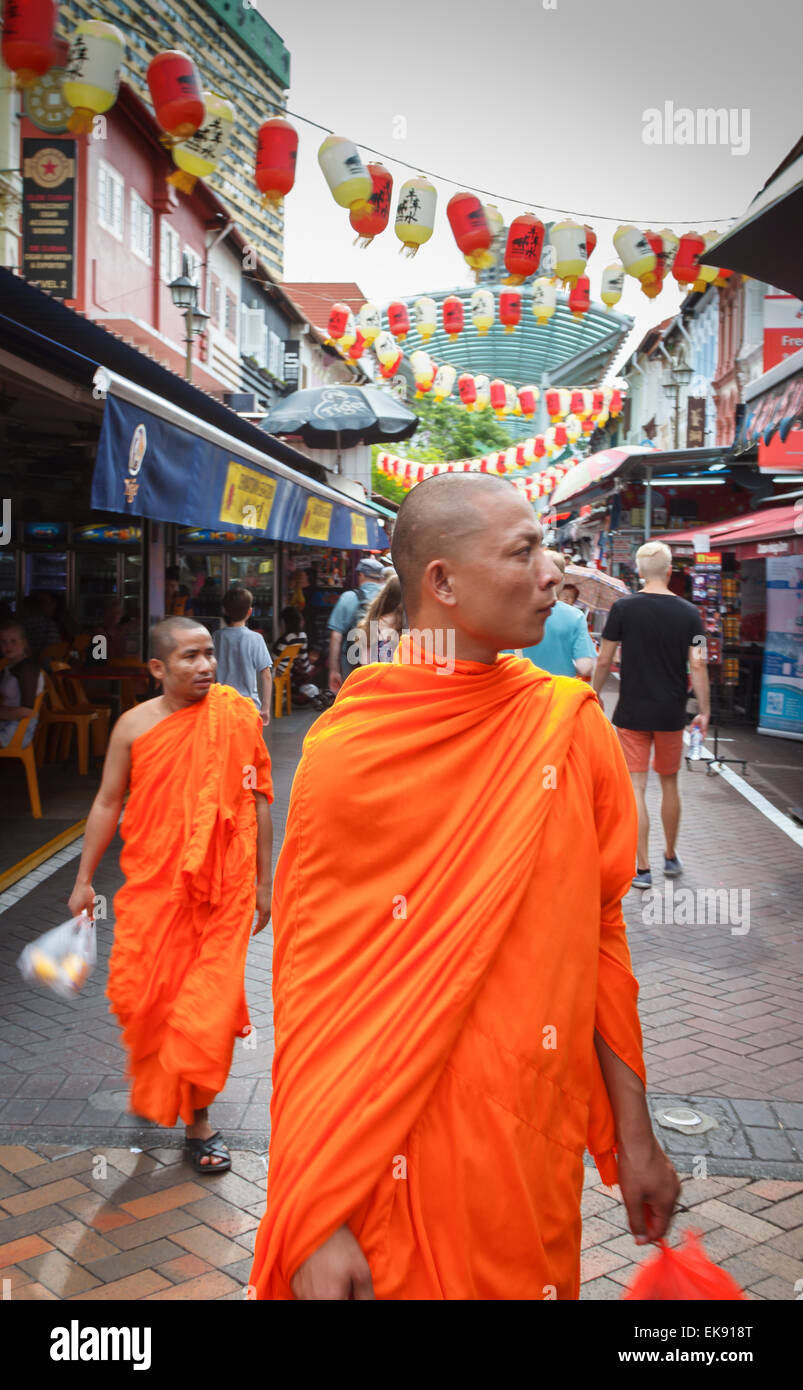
(672, 867)
(642, 878)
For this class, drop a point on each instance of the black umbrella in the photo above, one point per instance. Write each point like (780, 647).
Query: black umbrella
(765, 243)
(337, 417)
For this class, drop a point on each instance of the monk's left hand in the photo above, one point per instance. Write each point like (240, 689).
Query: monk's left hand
(263, 907)
(650, 1188)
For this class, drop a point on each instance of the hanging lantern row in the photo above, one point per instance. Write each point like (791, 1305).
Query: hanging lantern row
(408, 473)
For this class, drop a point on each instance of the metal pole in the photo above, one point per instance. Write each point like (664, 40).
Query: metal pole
(188, 340)
(648, 504)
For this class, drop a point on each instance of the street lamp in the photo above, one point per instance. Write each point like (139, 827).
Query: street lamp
(184, 293)
(681, 374)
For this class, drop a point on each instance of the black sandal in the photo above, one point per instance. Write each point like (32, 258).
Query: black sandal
(213, 1147)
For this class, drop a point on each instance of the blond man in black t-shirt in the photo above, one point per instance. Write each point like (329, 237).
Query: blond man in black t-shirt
(663, 643)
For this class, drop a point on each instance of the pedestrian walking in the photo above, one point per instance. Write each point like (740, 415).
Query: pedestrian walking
(662, 641)
(382, 625)
(352, 605)
(243, 659)
(455, 1011)
(196, 859)
(566, 648)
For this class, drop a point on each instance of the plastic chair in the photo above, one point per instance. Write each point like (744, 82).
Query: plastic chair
(74, 697)
(27, 756)
(56, 715)
(54, 651)
(281, 683)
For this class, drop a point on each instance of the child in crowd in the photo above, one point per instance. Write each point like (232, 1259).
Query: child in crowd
(243, 659)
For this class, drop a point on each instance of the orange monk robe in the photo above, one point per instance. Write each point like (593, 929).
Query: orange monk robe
(448, 929)
(184, 914)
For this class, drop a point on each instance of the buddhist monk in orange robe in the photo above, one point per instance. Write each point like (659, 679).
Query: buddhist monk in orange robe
(197, 860)
(455, 1011)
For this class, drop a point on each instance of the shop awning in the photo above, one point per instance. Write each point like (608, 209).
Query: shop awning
(774, 531)
(156, 460)
(598, 472)
(773, 406)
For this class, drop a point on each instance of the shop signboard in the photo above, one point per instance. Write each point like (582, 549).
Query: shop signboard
(48, 215)
(781, 708)
(148, 466)
(783, 336)
(695, 422)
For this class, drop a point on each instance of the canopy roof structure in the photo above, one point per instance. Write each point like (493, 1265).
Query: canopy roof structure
(573, 352)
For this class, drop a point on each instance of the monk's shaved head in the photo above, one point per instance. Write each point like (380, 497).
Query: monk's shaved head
(435, 520)
(164, 635)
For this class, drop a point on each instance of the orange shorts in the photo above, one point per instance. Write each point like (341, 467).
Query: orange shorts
(636, 748)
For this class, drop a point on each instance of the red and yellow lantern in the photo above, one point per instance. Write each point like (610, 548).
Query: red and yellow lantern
(539, 446)
(580, 297)
(415, 214)
(467, 390)
(635, 253)
(591, 240)
(277, 152)
(357, 348)
(525, 240)
(398, 320)
(452, 316)
(92, 76)
(339, 315)
(175, 87)
(469, 225)
(348, 179)
(686, 267)
(368, 224)
(510, 309)
(570, 243)
(498, 398)
(28, 39)
(199, 156)
(528, 400)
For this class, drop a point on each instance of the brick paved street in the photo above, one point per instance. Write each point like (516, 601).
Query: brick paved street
(82, 1216)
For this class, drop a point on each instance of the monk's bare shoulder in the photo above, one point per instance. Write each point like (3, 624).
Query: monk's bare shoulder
(138, 720)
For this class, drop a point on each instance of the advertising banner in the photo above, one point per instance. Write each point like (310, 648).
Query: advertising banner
(48, 215)
(781, 709)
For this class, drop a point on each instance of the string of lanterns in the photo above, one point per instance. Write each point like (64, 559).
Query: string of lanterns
(196, 125)
(407, 473)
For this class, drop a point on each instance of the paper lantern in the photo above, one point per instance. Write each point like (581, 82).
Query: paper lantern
(424, 370)
(348, 179)
(498, 396)
(616, 403)
(635, 253)
(552, 401)
(483, 386)
(580, 297)
(565, 400)
(415, 214)
(528, 400)
(482, 310)
(525, 239)
(467, 390)
(92, 75)
(588, 426)
(574, 428)
(349, 334)
(386, 348)
(686, 266)
(369, 222)
(338, 321)
(597, 402)
(561, 437)
(369, 322)
(512, 399)
(707, 274)
(544, 300)
(443, 384)
(613, 281)
(539, 446)
(28, 44)
(569, 240)
(470, 228)
(591, 240)
(425, 311)
(528, 449)
(452, 316)
(588, 402)
(199, 156)
(496, 224)
(357, 348)
(549, 440)
(398, 320)
(277, 152)
(175, 87)
(576, 403)
(510, 309)
(390, 369)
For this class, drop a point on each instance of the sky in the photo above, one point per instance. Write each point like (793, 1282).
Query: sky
(541, 101)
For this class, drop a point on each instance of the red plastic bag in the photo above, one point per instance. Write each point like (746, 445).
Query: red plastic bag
(682, 1275)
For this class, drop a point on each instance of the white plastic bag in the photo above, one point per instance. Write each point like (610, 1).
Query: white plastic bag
(62, 959)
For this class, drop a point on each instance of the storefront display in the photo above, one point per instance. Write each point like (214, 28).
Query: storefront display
(706, 593)
(782, 678)
(314, 578)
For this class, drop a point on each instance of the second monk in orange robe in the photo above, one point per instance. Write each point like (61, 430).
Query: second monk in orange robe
(196, 833)
(455, 1012)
